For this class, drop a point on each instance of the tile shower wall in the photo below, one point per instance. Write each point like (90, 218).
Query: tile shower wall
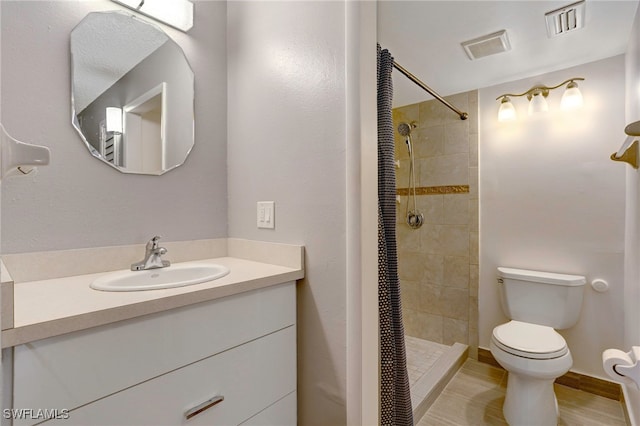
(438, 263)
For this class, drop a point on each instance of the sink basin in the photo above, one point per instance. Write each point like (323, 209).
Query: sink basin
(177, 275)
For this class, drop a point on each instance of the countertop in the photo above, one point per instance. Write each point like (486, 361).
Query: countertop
(51, 307)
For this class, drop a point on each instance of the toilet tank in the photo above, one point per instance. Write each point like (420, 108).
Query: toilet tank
(543, 298)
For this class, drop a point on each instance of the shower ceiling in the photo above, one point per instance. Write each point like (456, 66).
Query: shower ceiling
(425, 36)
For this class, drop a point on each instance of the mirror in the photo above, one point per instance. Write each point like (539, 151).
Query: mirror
(132, 93)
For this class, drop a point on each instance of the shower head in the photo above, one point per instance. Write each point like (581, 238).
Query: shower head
(404, 129)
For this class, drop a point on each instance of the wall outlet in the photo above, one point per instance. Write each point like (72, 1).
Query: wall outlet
(266, 214)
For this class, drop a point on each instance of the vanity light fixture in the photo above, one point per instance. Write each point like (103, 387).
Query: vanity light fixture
(175, 13)
(571, 99)
(113, 121)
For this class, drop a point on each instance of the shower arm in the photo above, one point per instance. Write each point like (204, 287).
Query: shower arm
(416, 80)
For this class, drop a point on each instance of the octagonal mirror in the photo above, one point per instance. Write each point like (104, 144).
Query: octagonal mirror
(132, 93)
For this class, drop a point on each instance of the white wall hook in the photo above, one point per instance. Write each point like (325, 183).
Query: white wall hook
(20, 158)
(623, 367)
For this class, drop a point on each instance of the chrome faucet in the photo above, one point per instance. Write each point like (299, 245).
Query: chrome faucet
(152, 257)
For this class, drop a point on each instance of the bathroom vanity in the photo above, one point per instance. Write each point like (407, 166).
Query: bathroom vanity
(219, 352)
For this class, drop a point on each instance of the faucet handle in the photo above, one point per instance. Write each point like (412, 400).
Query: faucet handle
(153, 243)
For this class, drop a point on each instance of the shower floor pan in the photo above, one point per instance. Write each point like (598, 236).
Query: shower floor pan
(430, 366)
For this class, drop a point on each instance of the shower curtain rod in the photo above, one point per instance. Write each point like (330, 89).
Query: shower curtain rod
(416, 80)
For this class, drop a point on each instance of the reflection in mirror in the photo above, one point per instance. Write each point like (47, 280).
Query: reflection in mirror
(132, 93)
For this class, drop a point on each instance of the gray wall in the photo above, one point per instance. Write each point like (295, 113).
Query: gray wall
(286, 108)
(77, 201)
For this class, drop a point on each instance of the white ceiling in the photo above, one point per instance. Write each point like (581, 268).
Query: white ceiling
(425, 36)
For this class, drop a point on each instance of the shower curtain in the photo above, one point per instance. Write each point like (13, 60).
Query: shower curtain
(395, 399)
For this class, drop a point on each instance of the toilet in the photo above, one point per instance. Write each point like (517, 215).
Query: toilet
(528, 346)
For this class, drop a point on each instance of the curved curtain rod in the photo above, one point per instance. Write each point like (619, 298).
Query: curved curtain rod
(416, 80)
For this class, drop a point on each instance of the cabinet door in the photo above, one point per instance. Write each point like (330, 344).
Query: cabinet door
(68, 371)
(252, 378)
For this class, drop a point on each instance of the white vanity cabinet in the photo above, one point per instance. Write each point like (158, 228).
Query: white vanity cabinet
(153, 369)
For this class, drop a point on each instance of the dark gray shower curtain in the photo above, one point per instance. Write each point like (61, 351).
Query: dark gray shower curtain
(395, 398)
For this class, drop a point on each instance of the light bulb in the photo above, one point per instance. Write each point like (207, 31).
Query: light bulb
(538, 103)
(507, 112)
(571, 98)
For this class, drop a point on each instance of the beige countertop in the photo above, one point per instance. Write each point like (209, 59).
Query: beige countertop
(50, 307)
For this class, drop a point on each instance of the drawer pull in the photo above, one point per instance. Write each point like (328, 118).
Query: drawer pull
(204, 406)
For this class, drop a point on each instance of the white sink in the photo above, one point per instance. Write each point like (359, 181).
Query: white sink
(177, 275)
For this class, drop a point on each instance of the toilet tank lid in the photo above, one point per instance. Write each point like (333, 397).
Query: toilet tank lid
(541, 277)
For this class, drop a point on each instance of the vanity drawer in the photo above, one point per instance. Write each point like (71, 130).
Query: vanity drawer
(253, 378)
(284, 412)
(68, 371)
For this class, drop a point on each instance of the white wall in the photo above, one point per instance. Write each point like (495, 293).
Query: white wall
(78, 201)
(286, 143)
(632, 225)
(552, 200)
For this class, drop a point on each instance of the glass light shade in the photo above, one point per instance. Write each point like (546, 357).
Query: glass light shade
(113, 122)
(572, 98)
(538, 104)
(507, 112)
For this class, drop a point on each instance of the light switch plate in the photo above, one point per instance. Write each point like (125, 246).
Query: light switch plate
(266, 214)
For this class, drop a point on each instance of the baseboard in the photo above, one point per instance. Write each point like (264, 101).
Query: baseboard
(573, 380)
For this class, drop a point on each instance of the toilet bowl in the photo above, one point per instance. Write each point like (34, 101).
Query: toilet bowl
(534, 356)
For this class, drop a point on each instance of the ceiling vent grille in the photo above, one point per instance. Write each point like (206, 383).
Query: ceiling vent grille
(566, 19)
(487, 45)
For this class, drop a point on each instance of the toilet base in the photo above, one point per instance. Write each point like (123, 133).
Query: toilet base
(530, 401)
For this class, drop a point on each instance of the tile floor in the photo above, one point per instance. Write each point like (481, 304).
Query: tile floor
(421, 355)
(475, 395)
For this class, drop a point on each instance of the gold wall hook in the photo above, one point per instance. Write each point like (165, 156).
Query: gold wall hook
(630, 156)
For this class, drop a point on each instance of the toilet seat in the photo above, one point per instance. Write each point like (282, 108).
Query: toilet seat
(531, 341)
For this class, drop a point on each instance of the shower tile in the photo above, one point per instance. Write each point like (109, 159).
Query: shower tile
(407, 239)
(473, 252)
(473, 182)
(410, 265)
(430, 327)
(402, 174)
(406, 114)
(473, 321)
(472, 95)
(434, 269)
(456, 271)
(443, 170)
(431, 239)
(456, 137)
(455, 240)
(474, 274)
(429, 141)
(410, 321)
(474, 215)
(434, 112)
(454, 303)
(410, 294)
(429, 298)
(455, 331)
(473, 112)
(456, 209)
(432, 206)
(473, 150)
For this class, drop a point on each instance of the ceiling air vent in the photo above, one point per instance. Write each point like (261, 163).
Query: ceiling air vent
(565, 19)
(489, 44)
